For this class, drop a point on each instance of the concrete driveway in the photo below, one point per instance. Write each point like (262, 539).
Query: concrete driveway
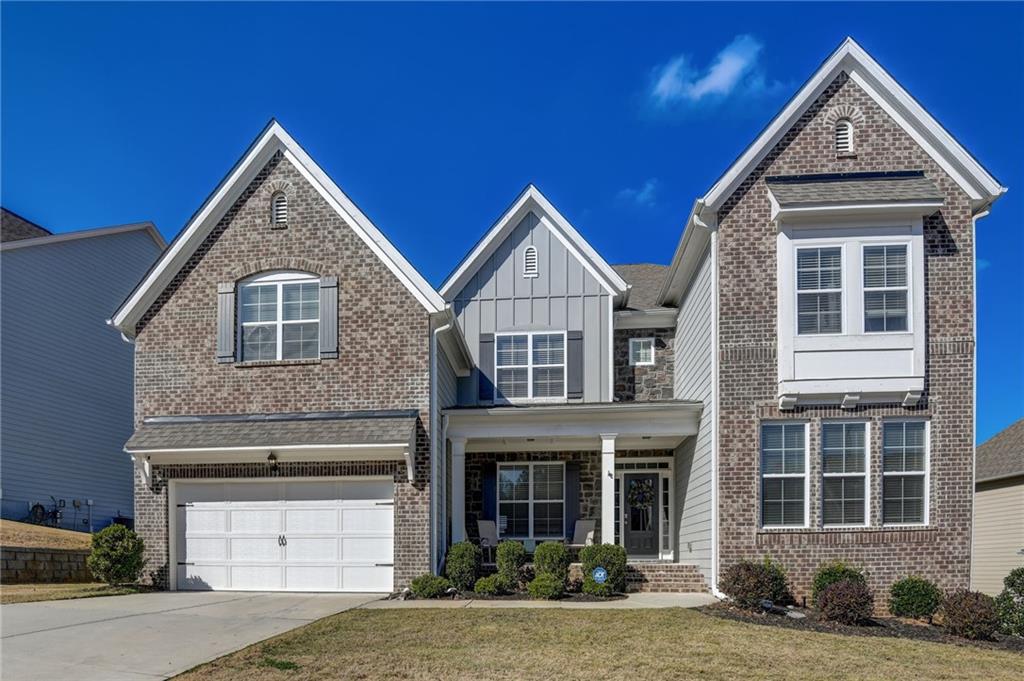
(148, 636)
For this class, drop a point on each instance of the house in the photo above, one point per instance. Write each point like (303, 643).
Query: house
(796, 383)
(66, 417)
(998, 509)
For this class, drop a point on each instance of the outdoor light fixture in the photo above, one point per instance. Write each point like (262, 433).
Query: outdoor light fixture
(273, 462)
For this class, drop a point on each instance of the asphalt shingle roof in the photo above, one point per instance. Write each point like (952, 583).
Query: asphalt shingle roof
(1003, 455)
(646, 280)
(797, 190)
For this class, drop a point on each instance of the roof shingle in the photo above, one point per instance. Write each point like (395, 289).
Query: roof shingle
(1002, 456)
(795, 191)
(646, 280)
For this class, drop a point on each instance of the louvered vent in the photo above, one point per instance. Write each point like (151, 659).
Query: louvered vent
(279, 209)
(844, 137)
(530, 261)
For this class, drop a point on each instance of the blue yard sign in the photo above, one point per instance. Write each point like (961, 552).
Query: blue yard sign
(600, 575)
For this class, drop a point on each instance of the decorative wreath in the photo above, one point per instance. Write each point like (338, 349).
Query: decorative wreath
(641, 494)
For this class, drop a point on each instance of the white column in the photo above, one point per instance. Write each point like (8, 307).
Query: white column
(458, 489)
(608, 488)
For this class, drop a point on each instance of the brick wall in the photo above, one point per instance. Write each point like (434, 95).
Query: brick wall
(749, 370)
(383, 338)
(645, 383)
(43, 566)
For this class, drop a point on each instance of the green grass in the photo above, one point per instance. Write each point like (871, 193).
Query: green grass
(586, 645)
(30, 593)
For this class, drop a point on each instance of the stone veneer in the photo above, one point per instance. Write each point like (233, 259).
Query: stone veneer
(645, 383)
(43, 566)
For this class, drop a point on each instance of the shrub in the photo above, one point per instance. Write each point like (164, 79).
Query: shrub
(1010, 604)
(914, 597)
(552, 558)
(848, 601)
(430, 586)
(613, 559)
(511, 556)
(546, 586)
(748, 583)
(830, 573)
(491, 585)
(462, 564)
(970, 614)
(116, 556)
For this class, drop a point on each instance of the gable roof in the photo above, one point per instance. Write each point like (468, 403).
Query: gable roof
(1002, 456)
(531, 199)
(645, 282)
(14, 227)
(62, 237)
(272, 139)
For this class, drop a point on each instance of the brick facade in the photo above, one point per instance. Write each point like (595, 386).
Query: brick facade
(749, 370)
(383, 363)
(645, 383)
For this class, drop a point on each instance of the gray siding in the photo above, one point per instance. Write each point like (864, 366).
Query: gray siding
(693, 381)
(66, 377)
(564, 297)
(447, 396)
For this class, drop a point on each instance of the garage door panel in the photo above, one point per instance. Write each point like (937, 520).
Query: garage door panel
(312, 549)
(256, 577)
(206, 521)
(205, 548)
(256, 521)
(367, 549)
(312, 520)
(313, 577)
(202, 577)
(255, 549)
(374, 520)
(366, 578)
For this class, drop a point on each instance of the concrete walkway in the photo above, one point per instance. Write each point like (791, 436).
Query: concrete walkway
(638, 601)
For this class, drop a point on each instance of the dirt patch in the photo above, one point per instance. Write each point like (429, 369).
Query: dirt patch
(27, 535)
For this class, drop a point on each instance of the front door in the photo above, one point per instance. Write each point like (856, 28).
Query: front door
(640, 501)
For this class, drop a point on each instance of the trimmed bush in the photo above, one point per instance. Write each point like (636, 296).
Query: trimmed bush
(748, 583)
(511, 557)
(970, 614)
(462, 565)
(116, 556)
(613, 559)
(491, 585)
(552, 558)
(1010, 604)
(430, 586)
(546, 586)
(914, 597)
(830, 573)
(848, 601)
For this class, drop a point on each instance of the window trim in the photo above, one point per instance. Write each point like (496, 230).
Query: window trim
(908, 287)
(633, 343)
(866, 474)
(529, 501)
(806, 475)
(927, 472)
(797, 291)
(277, 279)
(530, 366)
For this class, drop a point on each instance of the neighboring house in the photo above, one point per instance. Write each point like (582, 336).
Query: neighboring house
(310, 411)
(65, 379)
(998, 509)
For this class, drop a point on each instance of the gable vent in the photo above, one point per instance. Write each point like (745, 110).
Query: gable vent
(279, 209)
(530, 261)
(844, 137)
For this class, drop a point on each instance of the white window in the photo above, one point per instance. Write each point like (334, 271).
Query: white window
(279, 208)
(905, 472)
(819, 284)
(641, 351)
(530, 365)
(784, 487)
(531, 500)
(885, 288)
(844, 465)
(844, 137)
(279, 317)
(530, 262)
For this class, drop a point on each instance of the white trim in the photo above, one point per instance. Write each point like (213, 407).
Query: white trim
(277, 280)
(795, 275)
(529, 501)
(714, 416)
(664, 552)
(926, 515)
(530, 366)
(866, 474)
(664, 318)
(787, 214)
(634, 343)
(806, 475)
(61, 237)
(907, 288)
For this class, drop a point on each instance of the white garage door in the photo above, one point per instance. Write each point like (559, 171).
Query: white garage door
(333, 535)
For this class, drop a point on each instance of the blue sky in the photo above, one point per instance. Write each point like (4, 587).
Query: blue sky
(433, 117)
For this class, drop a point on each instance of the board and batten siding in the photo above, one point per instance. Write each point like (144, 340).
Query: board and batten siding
(67, 376)
(564, 296)
(447, 396)
(693, 381)
(998, 533)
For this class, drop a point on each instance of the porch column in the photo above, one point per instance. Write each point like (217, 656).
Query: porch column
(458, 489)
(608, 488)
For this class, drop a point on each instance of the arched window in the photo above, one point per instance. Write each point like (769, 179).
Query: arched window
(279, 208)
(530, 262)
(844, 137)
(279, 316)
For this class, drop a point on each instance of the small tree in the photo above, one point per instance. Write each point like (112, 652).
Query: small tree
(116, 556)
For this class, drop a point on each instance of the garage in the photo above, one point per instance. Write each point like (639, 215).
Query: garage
(284, 534)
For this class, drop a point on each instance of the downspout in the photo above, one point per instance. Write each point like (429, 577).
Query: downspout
(435, 511)
(974, 378)
(714, 413)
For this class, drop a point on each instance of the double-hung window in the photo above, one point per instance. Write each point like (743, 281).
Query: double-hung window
(905, 472)
(784, 485)
(531, 500)
(844, 470)
(641, 351)
(885, 288)
(530, 365)
(819, 285)
(279, 316)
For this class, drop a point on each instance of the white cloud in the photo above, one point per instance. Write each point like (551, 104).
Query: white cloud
(644, 196)
(734, 71)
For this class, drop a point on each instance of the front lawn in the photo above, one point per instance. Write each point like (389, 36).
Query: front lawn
(27, 535)
(29, 593)
(587, 645)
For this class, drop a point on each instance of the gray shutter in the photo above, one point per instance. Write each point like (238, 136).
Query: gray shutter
(328, 318)
(486, 367)
(574, 360)
(226, 322)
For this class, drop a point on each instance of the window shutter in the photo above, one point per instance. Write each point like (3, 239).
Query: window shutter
(572, 497)
(328, 318)
(574, 361)
(486, 367)
(489, 491)
(226, 323)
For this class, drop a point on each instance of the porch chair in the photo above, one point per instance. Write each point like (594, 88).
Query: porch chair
(488, 531)
(582, 535)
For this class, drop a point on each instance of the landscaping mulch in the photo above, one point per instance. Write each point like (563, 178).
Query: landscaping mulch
(888, 627)
(571, 597)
